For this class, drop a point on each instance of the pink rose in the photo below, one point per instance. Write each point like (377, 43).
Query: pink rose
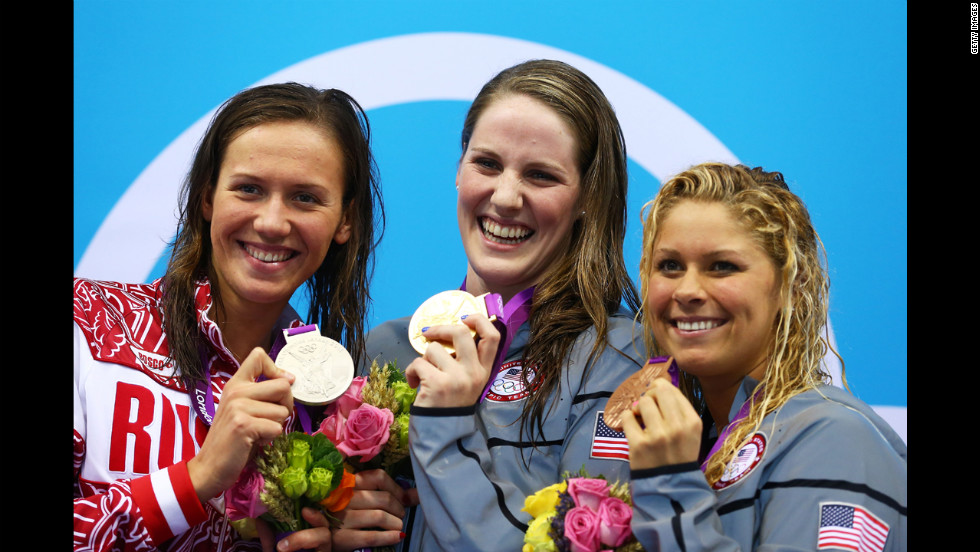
(350, 400)
(333, 427)
(366, 432)
(337, 412)
(582, 529)
(614, 519)
(242, 498)
(588, 492)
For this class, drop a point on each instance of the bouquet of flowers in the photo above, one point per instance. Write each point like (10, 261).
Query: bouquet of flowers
(295, 471)
(365, 428)
(580, 514)
(369, 423)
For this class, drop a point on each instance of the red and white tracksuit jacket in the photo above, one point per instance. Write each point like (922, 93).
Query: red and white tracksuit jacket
(136, 426)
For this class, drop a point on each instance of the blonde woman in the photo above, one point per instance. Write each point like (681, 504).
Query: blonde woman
(735, 291)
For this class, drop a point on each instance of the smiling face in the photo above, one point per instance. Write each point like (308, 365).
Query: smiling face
(518, 186)
(712, 294)
(276, 208)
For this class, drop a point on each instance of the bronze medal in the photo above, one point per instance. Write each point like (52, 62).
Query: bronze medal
(631, 390)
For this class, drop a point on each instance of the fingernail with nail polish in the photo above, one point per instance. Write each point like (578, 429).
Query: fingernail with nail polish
(425, 329)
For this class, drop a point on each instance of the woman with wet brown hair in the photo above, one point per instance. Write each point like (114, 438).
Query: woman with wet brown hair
(175, 383)
(541, 206)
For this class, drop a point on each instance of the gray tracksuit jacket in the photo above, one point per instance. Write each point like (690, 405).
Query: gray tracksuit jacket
(822, 470)
(473, 468)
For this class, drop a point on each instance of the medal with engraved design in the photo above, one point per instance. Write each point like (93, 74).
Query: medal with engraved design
(323, 368)
(445, 308)
(632, 389)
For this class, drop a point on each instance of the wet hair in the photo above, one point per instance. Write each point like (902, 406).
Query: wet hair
(589, 282)
(778, 222)
(338, 290)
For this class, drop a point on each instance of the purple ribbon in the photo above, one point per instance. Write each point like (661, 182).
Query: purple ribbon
(742, 413)
(203, 396)
(510, 317)
(672, 369)
(508, 322)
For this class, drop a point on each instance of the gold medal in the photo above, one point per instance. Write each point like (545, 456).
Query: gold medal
(442, 309)
(632, 389)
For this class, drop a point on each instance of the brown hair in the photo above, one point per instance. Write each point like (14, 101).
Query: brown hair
(589, 282)
(779, 223)
(338, 290)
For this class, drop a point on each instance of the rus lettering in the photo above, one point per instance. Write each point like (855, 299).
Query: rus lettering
(131, 397)
(137, 424)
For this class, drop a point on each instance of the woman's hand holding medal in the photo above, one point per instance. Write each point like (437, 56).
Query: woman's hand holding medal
(443, 380)
(671, 430)
(251, 413)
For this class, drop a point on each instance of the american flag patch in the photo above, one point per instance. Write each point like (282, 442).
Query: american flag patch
(512, 374)
(607, 442)
(851, 528)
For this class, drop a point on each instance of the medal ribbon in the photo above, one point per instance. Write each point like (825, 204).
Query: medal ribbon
(671, 370)
(203, 397)
(742, 413)
(510, 317)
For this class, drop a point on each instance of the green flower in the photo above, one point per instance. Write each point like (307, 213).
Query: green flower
(403, 430)
(404, 395)
(299, 455)
(293, 481)
(321, 483)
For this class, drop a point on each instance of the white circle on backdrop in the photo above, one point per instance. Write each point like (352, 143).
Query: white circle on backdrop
(661, 137)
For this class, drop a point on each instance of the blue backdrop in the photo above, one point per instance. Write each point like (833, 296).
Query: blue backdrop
(817, 91)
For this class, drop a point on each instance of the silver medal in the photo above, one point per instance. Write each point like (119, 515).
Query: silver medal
(323, 368)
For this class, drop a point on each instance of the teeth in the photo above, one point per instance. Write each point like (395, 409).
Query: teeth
(699, 325)
(268, 257)
(503, 234)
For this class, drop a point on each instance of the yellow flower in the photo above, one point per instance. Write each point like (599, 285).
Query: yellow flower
(536, 538)
(246, 528)
(544, 500)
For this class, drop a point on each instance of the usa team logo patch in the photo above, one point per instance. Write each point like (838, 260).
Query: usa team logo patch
(508, 385)
(745, 460)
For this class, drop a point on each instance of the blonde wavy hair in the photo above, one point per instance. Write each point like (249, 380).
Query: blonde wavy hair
(779, 223)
